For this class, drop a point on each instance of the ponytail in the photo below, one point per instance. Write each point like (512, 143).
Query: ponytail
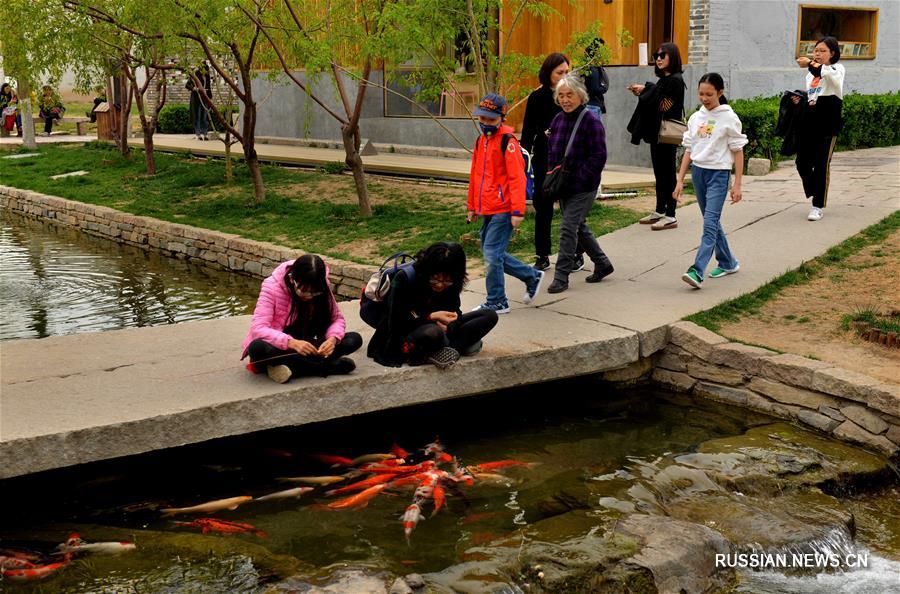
(723, 100)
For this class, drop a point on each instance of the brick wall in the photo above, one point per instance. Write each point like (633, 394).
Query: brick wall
(698, 36)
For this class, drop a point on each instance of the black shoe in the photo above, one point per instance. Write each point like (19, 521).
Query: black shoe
(472, 349)
(579, 263)
(542, 263)
(599, 275)
(342, 366)
(557, 286)
(444, 357)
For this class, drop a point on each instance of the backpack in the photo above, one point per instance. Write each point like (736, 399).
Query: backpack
(371, 303)
(529, 172)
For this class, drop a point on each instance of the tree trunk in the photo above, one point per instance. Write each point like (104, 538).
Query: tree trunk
(125, 115)
(28, 140)
(354, 162)
(229, 168)
(259, 190)
(149, 156)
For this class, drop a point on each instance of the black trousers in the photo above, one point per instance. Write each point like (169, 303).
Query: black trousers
(663, 158)
(263, 354)
(813, 165)
(460, 335)
(48, 124)
(543, 219)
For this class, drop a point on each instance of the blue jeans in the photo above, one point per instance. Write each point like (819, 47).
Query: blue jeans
(596, 111)
(711, 186)
(495, 233)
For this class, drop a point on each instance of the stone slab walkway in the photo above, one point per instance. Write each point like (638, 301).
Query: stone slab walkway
(74, 399)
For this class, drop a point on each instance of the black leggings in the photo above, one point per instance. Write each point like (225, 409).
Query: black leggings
(813, 165)
(265, 354)
(460, 335)
(663, 158)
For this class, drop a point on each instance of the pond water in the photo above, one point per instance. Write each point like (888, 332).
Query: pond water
(55, 280)
(595, 450)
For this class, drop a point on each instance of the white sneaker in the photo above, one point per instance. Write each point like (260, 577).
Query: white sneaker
(665, 222)
(815, 214)
(650, 218)
(532, 289)
(279, 373)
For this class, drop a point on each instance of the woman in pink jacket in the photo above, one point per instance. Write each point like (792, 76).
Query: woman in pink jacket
(297, 327)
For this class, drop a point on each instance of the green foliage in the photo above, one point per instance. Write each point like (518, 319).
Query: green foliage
(869, 120)
(871, 317)
(175, 119)
(334, 167)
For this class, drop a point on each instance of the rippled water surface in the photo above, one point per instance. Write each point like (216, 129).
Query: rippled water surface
(54, 280)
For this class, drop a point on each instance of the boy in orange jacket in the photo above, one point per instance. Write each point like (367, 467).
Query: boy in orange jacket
(497, 185)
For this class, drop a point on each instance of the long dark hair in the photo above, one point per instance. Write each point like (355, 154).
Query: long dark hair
(308, 271)
(671, 50)
(3, 89)
(832, 44)
(550, 63)
(441, 258)
(715, 79)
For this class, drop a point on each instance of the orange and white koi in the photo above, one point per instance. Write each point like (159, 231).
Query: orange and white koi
(411, 517)
(488, 466)
(319, 481)
(14, 563)
(399, 452)
(207, 525)
(74, 544)
(371, 458)
(287, 493)
(333, 460)
(435, 447)
(359, 500)
(363, 484)
(33, 573)
(439, 496)
(208, 507)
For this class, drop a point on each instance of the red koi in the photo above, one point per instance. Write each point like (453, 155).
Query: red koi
(426, 465)
(359, 500)
(487, 466)
(35, 572)
(208, 525)
(14, 563)
(443, 457)
(332, 460)
(439, 496)
(403, 481)
(399, 452)
(411, 517)
(363, 484)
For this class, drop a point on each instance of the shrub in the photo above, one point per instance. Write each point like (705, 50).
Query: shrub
(175, 119)
(869, 120)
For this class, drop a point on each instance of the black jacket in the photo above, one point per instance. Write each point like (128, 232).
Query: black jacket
(647, 117)
(789, 116)
(540, 109)
(597, 82)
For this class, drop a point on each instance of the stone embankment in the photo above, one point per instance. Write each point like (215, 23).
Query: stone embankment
(224, 251)
(847, 405)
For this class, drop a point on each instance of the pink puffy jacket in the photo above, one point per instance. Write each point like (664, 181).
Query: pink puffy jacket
(270, 317)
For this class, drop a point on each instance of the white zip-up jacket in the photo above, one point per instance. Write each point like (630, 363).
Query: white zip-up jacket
(831, 82)
(712, 136)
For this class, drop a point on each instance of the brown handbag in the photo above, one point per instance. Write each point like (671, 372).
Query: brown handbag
(672, 132)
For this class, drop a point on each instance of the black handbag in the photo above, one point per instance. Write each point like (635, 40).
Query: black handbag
(556, 184)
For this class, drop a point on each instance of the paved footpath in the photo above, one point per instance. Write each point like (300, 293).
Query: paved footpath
(74, 399)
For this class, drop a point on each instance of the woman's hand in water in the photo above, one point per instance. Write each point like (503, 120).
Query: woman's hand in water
(327, 347)
(302, 347)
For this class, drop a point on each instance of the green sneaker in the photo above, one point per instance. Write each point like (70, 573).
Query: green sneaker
(717, 272)
(692, 278)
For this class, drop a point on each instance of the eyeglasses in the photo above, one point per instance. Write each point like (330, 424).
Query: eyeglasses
(659, 55)
(306, 294)
(434, 282)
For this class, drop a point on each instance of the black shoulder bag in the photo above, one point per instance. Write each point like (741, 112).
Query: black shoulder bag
(556, 184)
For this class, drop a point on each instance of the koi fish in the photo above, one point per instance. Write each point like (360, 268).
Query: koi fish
(209, 507)
(399, 452)
(372, 458)
(74, 544)
(359, 500)
(296, 492)
(403, 481)
(494, 480)
(488, 466)
(434, 447)
(14, 563)
(411, 517)
(207, 525)
(20, 554)
(332, 460)
(424, 466)
(363, 484)
(439, 496)
(319, 481)
(443, 457)
(36, 572)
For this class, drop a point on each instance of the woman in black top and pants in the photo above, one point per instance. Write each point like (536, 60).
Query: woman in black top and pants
(539, 112)
(656, 102)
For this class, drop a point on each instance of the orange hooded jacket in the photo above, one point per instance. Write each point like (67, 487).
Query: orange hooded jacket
(497, 179)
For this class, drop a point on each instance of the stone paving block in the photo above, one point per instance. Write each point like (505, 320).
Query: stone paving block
(739, 356)
(852, 432)
(844, 383)
(885, 397)
(832, 412)
(865, 419)
(694, 339)
(737, 396)
(791, 369)
(654, 340)
(633, 371)
(893, 434)
(791, 395)
(672, 360)
(679, 382)
(714, 373)
(819, 421)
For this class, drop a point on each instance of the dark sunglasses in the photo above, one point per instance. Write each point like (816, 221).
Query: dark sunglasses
(659, 55)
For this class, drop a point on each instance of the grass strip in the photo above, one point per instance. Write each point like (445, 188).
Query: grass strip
(749, 303)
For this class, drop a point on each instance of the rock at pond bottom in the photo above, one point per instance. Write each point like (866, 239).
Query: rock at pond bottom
(342, 581)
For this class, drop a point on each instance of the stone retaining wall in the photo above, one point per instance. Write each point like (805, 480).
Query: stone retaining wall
(223, 251)
(847, 405)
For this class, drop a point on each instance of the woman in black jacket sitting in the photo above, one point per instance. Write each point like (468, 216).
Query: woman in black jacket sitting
(657, 102)
(423, 322)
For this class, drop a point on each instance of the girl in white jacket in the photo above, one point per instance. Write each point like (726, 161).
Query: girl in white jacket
(713, 143)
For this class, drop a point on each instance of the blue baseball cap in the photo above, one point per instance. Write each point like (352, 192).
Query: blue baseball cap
(492, 106)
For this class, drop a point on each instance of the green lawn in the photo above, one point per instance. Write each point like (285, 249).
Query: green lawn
(303, 209)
